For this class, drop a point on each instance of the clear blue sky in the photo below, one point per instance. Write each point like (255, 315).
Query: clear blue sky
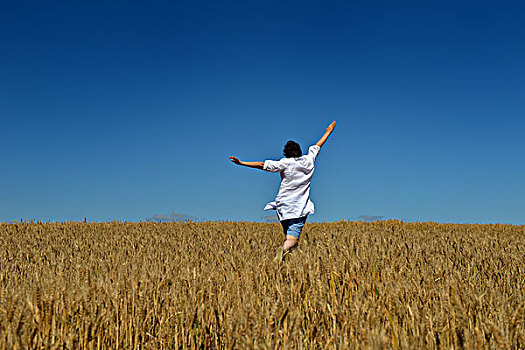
(123, 109)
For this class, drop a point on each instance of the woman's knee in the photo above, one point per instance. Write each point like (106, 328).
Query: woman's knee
(290, 242)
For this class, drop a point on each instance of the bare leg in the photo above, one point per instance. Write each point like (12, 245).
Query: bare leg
(290, 243)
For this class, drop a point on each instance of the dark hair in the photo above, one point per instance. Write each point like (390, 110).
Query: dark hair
(292, 149)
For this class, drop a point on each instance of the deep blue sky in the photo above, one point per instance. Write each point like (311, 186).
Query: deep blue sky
(123, 109)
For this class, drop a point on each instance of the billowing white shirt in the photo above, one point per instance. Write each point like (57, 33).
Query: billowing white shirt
(293, 200)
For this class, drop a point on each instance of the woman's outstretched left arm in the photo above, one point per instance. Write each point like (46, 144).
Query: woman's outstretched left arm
(257, 165)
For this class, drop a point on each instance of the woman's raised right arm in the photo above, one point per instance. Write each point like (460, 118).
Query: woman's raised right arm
(329, 130)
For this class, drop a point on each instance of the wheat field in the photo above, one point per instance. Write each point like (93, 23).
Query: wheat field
(190, 285)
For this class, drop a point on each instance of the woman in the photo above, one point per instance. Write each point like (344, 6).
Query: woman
(293, 202)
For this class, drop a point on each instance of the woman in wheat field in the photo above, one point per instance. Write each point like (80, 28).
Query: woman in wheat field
(292, 203)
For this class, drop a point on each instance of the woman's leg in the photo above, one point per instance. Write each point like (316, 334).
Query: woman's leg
(293, 231)
(290, 243)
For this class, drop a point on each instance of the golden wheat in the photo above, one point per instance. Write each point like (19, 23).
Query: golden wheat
(214, 285)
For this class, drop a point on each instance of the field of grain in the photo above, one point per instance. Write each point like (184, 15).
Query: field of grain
(215, 285)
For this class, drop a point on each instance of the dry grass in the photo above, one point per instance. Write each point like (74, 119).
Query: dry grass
(214, 285)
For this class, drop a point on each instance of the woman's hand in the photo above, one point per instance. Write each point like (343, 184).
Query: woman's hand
(236, 160)
(331, 127)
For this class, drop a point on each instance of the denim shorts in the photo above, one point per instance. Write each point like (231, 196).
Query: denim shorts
(293, 227)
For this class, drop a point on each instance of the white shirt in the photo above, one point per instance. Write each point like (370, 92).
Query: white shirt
(293, 200)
